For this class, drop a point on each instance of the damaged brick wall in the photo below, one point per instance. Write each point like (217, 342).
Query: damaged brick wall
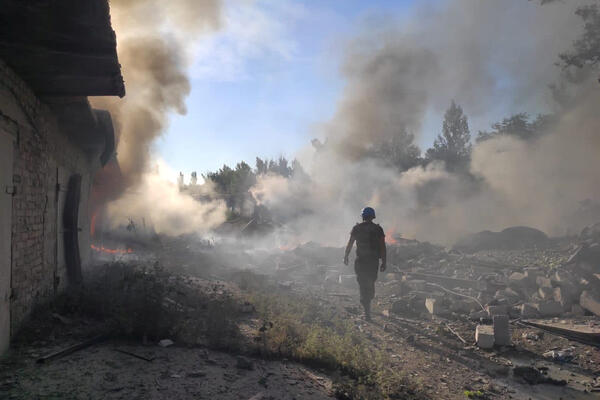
(41, 153)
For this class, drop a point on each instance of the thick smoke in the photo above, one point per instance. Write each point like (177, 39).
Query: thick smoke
(491, 57)
(165, 208)
(154, 41)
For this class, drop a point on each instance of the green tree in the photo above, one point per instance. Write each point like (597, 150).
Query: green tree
(453, 146)
(233, 184)
(519, 125)
(398, 151)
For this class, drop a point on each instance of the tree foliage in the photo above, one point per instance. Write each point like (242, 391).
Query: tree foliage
(586, 49)
(233, 184)
(518, 125)
(398, 151)
(453, 146)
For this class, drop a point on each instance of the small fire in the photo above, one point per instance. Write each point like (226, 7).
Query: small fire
(112, 251)
(389, 237)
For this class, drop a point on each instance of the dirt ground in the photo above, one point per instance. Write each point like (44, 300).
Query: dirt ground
(103, 372)
(425, 349)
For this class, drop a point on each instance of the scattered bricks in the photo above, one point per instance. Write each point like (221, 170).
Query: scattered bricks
(484, 336)
(497, 310)
(501, 330)
(434, 306)
(543, 282)
(590, 302)
(550, 308)
(528, 310)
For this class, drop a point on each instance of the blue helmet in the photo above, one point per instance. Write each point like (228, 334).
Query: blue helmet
(367, 212)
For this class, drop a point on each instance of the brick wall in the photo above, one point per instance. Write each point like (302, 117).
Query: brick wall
(41, 153)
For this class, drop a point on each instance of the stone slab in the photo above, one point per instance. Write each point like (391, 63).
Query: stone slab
(484, 336)
(501, 330)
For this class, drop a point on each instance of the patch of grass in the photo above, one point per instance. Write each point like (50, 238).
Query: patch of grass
(303, 329)
(150, 303)
(474, 394)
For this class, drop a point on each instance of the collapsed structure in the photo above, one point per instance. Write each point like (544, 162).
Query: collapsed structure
(53, 54)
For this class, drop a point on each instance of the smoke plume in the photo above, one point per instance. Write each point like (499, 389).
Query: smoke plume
(494, 58)
(162, 205)
(153, 41)
(154, 45)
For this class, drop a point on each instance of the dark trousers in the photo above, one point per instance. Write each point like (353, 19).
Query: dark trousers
(366, 275)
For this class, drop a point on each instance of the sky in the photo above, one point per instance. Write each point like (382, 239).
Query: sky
(263, 83)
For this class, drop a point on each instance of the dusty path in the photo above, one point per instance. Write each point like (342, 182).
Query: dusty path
(100, 372)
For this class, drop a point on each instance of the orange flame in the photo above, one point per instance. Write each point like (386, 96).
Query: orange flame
(111, 251)
(389, 237)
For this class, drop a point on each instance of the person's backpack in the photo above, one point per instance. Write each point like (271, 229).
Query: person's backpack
(367, 239)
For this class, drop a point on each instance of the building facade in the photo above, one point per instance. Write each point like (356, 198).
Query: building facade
(52, 142)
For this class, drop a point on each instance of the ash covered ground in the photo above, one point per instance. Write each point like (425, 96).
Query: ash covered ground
(257, 324)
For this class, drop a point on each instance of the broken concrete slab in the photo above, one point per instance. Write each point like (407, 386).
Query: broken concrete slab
(501, 330)
(583, 333)
(484, 336)
(590, 302)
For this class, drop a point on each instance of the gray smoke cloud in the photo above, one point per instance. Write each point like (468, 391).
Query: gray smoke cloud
(491, 57)
(155, 40)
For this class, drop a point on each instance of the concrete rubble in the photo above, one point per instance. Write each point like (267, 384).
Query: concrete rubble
(551, 278)
(484, 336)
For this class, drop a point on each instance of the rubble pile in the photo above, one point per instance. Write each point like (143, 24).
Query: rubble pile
(550, 278)
(516, 237)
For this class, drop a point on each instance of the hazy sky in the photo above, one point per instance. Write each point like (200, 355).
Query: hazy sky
(260, 84)
(263, 83)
